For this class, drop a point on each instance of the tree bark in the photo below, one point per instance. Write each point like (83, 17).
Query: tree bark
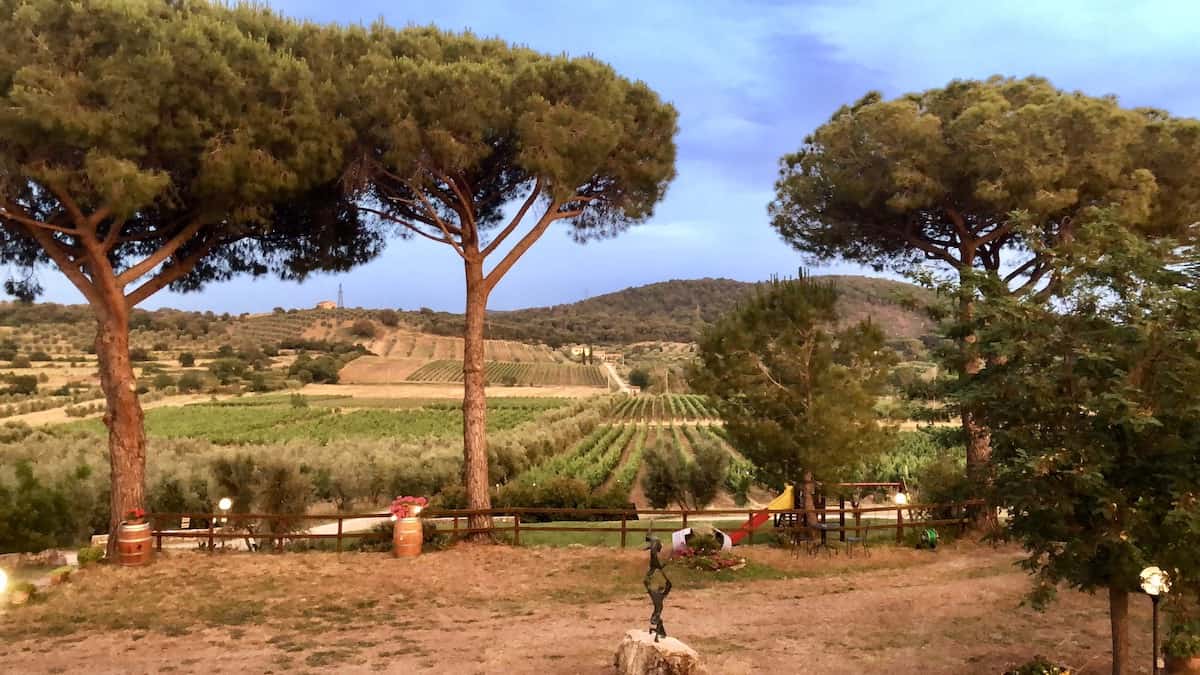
(979, 439)
(1118, 614)
(475, 454)
(123, 417)
(810, 502)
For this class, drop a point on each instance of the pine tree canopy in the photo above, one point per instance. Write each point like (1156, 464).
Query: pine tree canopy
(172, 141)
(971, 174)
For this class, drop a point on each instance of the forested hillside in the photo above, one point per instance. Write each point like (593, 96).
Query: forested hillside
(675, 311)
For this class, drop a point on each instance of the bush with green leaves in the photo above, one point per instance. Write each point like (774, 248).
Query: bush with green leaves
(90, 555)
(187, 359)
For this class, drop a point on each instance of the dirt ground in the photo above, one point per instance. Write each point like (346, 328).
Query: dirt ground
(493, 609)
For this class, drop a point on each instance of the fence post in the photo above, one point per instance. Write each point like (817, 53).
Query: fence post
(516, 529)
(623, 517)
(684, 512)
(455, 527)
(841, 519)
(899, 526)
(339, 541)
(211, 519)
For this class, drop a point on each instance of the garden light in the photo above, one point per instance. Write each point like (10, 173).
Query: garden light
(3, 581)
(394, 518)
(416, 510)
(225, 504)
(1155, 583)
(901, 499)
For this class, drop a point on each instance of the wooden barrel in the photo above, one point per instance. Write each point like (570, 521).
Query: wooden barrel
(134, 544)
(406, 538)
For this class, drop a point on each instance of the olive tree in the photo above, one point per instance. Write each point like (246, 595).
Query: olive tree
(146, 145)
(483, 147)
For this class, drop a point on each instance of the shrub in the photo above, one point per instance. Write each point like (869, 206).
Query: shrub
(40, 356)
(639, 377)
(89, 555)
(363, 328)
(190, 381)
(140, 354)
(163, 380)
(1183, 639)
(388, 317)
(21, 362)
(663, 480)
(187, 359)
(320, 369)
(706, 473)
(227, 370)
(23, 384)
(33, 516)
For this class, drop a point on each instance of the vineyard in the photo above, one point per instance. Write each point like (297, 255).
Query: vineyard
(608, 461)
(663, 408)
(277, 420)
(516, 374)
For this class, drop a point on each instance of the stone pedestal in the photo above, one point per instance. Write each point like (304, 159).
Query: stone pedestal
(639, 654)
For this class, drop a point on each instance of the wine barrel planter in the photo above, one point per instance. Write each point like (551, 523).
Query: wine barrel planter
(1183, 665)
(134, 544)
(406, 538)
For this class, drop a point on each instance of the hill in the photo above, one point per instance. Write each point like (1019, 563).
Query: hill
(677, 310)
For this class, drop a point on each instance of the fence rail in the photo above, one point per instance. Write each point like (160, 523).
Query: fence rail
(223, 525)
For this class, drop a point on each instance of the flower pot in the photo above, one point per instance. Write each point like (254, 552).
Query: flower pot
(133, 544)
(406, 538)
(1183, 665)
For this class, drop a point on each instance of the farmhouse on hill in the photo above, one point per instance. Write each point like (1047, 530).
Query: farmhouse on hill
(326, 304)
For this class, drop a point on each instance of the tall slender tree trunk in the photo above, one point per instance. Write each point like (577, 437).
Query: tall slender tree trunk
(123, 417)
(979, 439)
(475, 454)
(1118, 615)
(810, 502)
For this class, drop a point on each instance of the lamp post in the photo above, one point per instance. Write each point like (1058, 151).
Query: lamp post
(901, 499)
(1155, 583)
(224, 505)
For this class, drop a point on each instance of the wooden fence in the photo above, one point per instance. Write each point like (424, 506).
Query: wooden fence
(223, 526)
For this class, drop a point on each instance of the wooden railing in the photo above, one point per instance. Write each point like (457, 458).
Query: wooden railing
(223, 526)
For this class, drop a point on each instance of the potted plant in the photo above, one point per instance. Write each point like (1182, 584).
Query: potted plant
(133, 539)
(1182, 647)
(407, 533)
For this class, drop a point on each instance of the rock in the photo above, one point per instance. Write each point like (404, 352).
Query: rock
(639, 654)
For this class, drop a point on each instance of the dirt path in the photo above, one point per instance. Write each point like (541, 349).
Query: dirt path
(500, 610)
(612, 374)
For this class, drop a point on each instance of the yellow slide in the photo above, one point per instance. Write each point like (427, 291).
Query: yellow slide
(784, 502)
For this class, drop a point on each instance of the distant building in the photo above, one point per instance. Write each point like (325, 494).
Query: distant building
(326, 304)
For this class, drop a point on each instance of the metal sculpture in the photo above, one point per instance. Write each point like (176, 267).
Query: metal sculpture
(659, 594)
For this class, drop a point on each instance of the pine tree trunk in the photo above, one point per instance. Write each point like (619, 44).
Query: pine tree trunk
(475, 454)
(810, 502)
(979, 439)
(123, 417)
(1118, 614)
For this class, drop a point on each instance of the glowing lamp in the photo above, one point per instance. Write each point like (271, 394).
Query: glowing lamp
(225, 504)
(3, 581)
(416, 510)
(901, 499)
(1155, 581)
(394, 518)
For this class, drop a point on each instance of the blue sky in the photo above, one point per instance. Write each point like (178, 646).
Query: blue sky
(750, 80)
